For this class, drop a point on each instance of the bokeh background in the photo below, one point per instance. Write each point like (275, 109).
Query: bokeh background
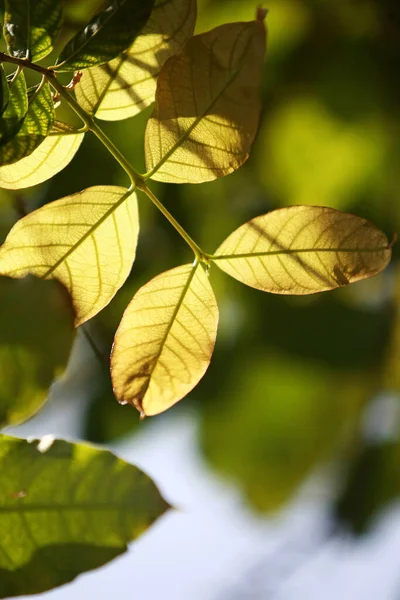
(285, 460)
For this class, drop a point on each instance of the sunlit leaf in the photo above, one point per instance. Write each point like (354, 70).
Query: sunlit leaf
(4, 91)
(304, 250)
(87, 241)
(127, 85)
(108, 34)
(34, 129)
(36, 335)
(207, 105)
(65, 509)
(30, 28)
(49, 158)
(165, 341)
(15, 111)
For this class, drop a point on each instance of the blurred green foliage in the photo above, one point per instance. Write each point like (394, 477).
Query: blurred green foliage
(291, 377)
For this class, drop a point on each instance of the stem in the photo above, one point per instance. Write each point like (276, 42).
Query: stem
(198, 252)
(23, 62)
(91, 124)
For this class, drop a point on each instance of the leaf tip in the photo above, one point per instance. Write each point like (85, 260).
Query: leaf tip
(261, 13)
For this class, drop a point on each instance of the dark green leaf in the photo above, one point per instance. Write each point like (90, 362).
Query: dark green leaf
(15, 112)
(4, 91)
(30, 28)
(64, 509)
(34, 129)
(372, 484)
(107, 35)
(35, 342)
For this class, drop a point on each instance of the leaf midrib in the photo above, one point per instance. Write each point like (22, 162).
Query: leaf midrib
(298, 251)
(168, 329)
(61, 507)
(89, 232)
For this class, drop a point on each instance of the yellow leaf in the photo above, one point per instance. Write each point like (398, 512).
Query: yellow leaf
(87, 241)
(304, 250)
(53, 154)
(207, 105)
(127, 84)
(164, 343)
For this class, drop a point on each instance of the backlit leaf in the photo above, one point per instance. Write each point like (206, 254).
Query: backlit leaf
(65, 509)
(49, 158)
(15, 111)
(87, 241)
(207, 105)
(30, 28)
(164, 343)
(304, 250)
(36, 336)
(34, 129)
(127, 85)
(4, 91)
(108, 34)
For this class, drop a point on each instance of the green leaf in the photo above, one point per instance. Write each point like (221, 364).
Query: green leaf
(108, 34)
(207, 105)
(87, 241)
(65, 509)
(374, 478)
(165, 341)
(275, 419)
(34, 129)
(4, 91)
(31, 27)
(125, 86)
(13, 115)
(304, 250)
(49, 158)
(35, 341)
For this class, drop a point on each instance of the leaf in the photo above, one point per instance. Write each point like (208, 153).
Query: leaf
(207, 105)
(108, 34)
(65, 509)
(35, 342)
(49, 158)
(125, 86)
(303, 250)
(34, 129)
(16, 109)
(87, 241)
(373, 477)
(274, 420)
(30, 28)
(164, 343)
(4, 91)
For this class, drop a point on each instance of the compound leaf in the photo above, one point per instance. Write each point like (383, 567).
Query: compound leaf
(36, 335)
(87, 241)
(165, 341)
(108, 34)
(64, 509)
(49, 158)
(304, 250)
(34, 128)
(127, 85)
(207, 105)
(31, 28)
